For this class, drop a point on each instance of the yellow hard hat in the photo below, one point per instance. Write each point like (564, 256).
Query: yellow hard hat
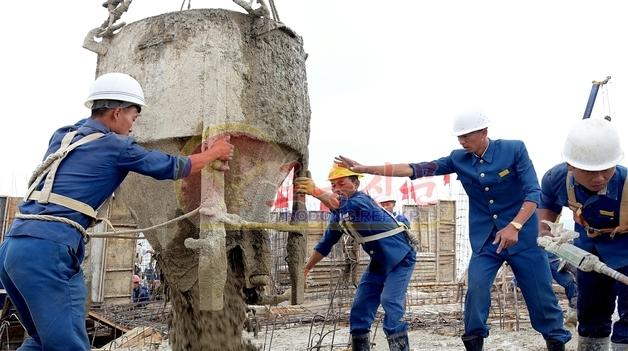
(337, 171)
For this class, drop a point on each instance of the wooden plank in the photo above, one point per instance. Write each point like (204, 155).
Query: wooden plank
(139, 337)
(103, 320)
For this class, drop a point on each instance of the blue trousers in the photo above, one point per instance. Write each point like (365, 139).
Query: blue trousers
(596, 304)
(389, 290)
(45, 283)
(532, 272)
(564, 278)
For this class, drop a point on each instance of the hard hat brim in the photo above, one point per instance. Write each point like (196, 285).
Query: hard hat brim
(467, 131)
(594, 168)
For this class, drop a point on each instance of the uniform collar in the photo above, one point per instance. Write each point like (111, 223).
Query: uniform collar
(610, 190)
(91, 125)
(487, 156)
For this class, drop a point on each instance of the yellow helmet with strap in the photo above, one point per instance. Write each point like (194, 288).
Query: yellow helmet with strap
(337, 171)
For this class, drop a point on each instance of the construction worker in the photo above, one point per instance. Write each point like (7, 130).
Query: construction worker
(388, 203)
(40, 260)
(139, 293)
(386, 279)
(503, 191)
(592, 184)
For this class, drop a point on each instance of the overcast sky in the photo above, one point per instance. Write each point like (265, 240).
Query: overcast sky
(384, 80)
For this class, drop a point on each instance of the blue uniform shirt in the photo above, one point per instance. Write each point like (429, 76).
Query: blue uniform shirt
(402, 219)
(497, 184)
(600, 211)
(90, 174)
(140, 294)
(370, 219)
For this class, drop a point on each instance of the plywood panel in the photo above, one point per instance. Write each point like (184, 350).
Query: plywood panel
(8, 206)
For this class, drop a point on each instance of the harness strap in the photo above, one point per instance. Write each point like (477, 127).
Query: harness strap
(64, 150)
(45, 166)
(68, 202)
(349, 229)
(623, 205)
(576, 207)
(49, 169)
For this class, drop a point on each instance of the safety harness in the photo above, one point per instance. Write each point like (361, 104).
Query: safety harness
(576, 207)
(349, 228)
(48, 169)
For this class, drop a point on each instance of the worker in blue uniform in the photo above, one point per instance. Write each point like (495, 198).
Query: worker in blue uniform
(40, 259)
(386, 279)
(503, 191)
(592, 184)
(139, 293)
(388, 203)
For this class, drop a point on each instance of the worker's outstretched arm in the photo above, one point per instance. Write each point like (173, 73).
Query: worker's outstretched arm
(389, 170)
(220, 149)
(314, 259)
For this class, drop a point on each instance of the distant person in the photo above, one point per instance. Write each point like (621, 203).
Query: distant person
(388, 203)
(139, 294)
(40, 260)
(386, 279)
(503, 191)
(593, 185)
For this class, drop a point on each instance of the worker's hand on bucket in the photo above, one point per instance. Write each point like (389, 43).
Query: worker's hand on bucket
(221, 150)
(221, 147)
(304, 185)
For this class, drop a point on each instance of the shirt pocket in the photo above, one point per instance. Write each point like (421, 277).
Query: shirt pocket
(504, 177)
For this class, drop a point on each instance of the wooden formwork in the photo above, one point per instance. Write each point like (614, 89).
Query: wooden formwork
(8, 208)
(111, 261)
(434, 226)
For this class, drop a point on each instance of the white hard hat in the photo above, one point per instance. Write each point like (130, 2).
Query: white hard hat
(116, 86)
(385, 198)
(469, 122)
(593, 144)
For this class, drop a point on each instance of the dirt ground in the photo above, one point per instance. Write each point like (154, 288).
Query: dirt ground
(500, 340)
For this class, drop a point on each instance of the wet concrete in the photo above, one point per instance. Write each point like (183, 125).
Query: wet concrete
(226, 72)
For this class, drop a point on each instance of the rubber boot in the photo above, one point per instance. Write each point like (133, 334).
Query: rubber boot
(398, 342)
(473, 343)
(592, 344)
(619, 347)
(360, 342)
(555, 345)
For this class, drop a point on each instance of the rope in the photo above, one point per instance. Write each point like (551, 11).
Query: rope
(43, 166)
(183, 3)
(54, 219)
(137, 231)
(118, 234)
(115, 8)
(273, 8)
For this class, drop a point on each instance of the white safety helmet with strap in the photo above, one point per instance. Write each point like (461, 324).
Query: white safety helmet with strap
(593, 144)
(468, 122)
(116, 86)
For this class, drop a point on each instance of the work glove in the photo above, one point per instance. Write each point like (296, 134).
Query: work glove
(304, 185)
